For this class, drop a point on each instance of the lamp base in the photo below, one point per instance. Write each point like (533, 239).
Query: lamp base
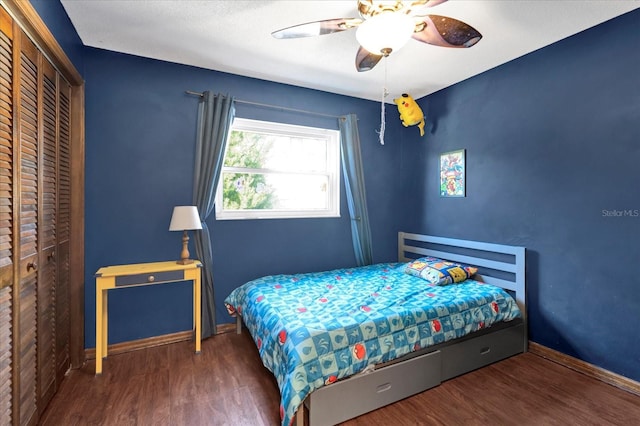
(184, 254)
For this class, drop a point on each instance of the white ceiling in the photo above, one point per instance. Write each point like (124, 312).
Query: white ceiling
(234, 36)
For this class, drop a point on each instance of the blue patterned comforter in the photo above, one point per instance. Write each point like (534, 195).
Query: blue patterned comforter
(316, 328)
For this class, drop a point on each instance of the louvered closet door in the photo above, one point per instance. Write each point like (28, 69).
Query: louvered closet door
(6, 216)
(36, 213)
(47, 240)
(28, 219)
(63, 329)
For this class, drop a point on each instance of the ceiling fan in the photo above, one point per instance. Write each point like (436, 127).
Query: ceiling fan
(385, 26)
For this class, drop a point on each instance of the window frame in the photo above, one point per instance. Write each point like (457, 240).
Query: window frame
(333, 171)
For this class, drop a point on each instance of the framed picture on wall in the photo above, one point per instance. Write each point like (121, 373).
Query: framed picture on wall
(452, 174)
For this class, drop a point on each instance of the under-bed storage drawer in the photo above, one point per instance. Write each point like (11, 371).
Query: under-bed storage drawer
(462, 357)
(366, 392)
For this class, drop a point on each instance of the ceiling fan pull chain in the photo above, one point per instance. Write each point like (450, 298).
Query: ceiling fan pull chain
(382, 123)
(384, 95)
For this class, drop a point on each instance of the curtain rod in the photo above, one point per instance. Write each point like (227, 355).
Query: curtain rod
(240, 101)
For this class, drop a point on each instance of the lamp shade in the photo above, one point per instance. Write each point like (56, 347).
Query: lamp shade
(185, 218)
(387, 30)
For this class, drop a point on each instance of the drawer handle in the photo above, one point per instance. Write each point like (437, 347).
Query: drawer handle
(485, 351)
(151, 278)
(32, 265)
(383, 388)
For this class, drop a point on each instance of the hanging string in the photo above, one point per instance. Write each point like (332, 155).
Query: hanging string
(385, 93)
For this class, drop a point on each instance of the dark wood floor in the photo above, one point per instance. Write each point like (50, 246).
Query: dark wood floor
(227, 385)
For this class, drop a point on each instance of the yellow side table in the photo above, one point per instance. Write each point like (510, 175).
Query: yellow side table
(123, 276)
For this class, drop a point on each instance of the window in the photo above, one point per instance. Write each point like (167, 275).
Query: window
(275, 170)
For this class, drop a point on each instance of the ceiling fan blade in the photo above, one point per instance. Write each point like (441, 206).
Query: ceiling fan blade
(446, 32)
(365, 60)
(317, 28)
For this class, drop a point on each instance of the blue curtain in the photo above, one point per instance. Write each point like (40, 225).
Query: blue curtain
(354, 184)
(215, 115)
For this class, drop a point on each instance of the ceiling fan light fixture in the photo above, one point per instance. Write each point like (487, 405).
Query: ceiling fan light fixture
(385, 32)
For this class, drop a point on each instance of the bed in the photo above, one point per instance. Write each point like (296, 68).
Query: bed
(345, 342)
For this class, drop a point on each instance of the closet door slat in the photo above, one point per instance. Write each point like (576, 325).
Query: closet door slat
(6, 218)
(47, 222)
(63, 324)
(28, 219)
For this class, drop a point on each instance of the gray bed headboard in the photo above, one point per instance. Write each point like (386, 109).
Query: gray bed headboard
(499, 265)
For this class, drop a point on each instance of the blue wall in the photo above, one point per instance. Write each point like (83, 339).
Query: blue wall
(140, 136)
(552, 152)
(553, 147)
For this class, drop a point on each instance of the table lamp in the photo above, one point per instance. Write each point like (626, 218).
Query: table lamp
(185, 218)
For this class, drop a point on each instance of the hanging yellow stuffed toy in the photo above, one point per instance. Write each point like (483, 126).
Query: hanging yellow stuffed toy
(410, 112)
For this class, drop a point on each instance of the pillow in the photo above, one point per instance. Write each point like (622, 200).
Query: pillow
(439, 272)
